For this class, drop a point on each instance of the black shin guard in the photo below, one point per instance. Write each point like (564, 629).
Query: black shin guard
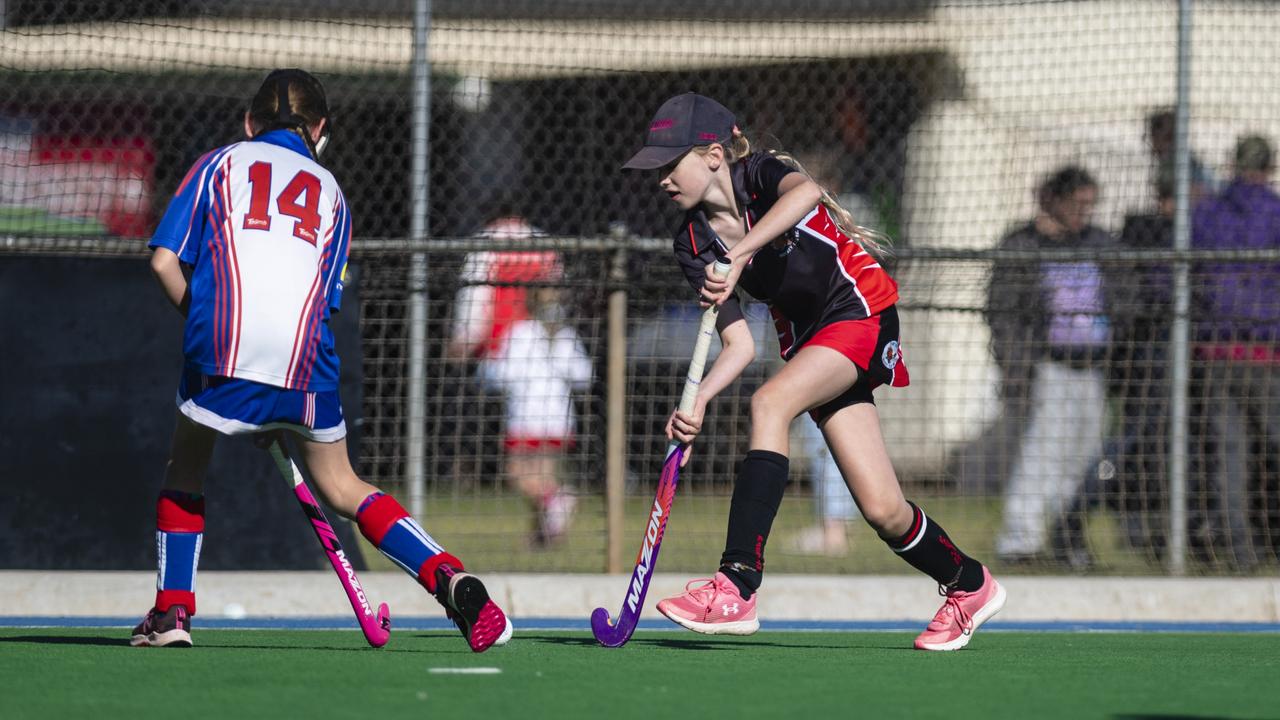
(757, 493)
(928, 549)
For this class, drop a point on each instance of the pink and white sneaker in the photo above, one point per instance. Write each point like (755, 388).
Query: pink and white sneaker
(713, 608)
(962, 614)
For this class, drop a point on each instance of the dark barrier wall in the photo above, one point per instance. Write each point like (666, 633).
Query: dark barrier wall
(90, 354)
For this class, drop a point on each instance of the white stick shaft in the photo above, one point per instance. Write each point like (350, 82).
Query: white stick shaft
(700, 349)
(285, 463)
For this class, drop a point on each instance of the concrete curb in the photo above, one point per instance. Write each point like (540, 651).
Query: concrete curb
(785, 597)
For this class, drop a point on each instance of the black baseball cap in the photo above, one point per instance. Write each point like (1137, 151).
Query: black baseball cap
(683, 122)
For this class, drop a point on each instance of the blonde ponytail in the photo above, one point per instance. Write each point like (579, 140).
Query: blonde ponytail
(739, 146)
(873, 241)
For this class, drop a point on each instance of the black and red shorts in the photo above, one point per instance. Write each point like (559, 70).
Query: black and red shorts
(873, 345)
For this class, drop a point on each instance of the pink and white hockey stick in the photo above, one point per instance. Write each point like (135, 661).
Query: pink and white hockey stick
(377, 628)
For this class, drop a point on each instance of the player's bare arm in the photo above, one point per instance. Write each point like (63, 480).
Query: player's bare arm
(797, 195)
(168, 272)
(738, 350)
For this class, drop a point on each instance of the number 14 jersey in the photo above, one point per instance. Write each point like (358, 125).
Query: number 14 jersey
(265, 230)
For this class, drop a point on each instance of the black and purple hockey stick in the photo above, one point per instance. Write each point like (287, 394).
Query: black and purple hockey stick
(616, 632)
(377, 628)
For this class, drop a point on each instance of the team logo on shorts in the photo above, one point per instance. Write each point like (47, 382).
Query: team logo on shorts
(891, 354)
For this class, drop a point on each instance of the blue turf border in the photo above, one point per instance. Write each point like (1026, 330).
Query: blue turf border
(584, 625)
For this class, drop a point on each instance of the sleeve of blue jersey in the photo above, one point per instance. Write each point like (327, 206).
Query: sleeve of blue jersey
(182, 226)
(340, 248)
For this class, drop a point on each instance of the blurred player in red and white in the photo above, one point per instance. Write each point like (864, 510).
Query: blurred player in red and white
(792, 246)
(528, 351)
(252, 251)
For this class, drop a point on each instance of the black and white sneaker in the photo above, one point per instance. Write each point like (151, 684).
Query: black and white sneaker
(171, 628)
(468, 605)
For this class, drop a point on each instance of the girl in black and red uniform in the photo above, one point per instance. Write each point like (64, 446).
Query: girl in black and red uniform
(792, 246)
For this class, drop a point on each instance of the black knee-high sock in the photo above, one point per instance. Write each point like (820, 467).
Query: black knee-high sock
(928, 549)
(757, 493)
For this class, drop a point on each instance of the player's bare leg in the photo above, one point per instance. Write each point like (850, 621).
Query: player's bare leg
(814, 376)
(189, 455)
(389, 528)
(973, 596)
(179, 534)
(857, 445)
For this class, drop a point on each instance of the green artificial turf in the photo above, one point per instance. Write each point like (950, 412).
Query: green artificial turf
(240, 674)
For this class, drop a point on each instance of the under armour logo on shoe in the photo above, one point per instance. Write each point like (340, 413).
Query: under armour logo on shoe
(729, 609)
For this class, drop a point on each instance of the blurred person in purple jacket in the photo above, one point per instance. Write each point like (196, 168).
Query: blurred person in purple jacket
(1236, 321)
(1050, 323)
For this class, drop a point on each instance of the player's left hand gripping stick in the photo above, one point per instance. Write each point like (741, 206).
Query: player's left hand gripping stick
(377, 628)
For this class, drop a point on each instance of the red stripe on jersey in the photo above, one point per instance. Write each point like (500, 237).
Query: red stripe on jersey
(312, 333)
(219, 278)
(228, 280)
(237, 306)
(693, 241)
(215, 264)
(871, 283)
(209, 169)
(312, 340)
(221, 282)
(330, 266)
(191, 173)
(301, 349)
(217, 298)
(294, 358)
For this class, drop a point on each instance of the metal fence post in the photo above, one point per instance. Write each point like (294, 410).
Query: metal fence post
(1180, 355)
(616, 414)
(415, 410)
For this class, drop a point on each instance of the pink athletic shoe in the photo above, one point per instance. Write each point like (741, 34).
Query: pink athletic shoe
(713, 608)
(961, 614)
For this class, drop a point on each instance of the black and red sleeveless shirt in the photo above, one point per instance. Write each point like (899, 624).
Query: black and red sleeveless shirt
(818, 277)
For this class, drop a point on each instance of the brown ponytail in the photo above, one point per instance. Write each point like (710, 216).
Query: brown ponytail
(303, 98)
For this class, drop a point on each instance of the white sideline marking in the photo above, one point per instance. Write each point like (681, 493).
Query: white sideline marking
(465, 671)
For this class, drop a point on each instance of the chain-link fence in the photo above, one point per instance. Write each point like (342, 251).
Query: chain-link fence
(1036, 425)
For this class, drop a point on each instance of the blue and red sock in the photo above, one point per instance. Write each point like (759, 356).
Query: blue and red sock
(179, 534)
(398, 536)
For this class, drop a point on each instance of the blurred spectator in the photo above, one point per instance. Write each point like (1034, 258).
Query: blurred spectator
(1161, 127)
(526, 351)
(1130, 475)
(1236, 317)
(1052, 315)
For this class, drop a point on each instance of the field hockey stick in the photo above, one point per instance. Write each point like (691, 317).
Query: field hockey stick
(377, 628)
(615, 633)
